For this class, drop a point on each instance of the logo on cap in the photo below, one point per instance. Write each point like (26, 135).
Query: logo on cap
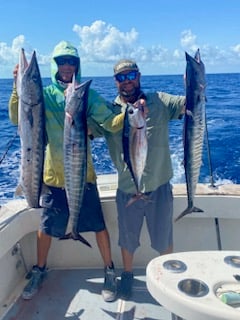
(123, 65)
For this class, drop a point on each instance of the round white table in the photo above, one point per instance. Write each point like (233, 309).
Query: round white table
(197, 285)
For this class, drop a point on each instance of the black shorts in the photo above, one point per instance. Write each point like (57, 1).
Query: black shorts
(55, 214)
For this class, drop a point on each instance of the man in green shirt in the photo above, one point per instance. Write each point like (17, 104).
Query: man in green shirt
(64, 64)
(159, 109)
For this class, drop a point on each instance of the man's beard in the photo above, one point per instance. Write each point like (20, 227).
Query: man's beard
(131, 96)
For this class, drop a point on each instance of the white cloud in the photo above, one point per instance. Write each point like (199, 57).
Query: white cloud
(101, 45)
(10, 54)
(188, 40)
(236, 49)
(102, 42)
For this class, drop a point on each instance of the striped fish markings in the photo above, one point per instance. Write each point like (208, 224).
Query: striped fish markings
(31, 128)
(75, 154)
(194, 127)
(135, 145)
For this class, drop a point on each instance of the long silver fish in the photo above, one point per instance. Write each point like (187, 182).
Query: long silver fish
(75, 154)
(135, 145)
(194, 127)
(31, 127)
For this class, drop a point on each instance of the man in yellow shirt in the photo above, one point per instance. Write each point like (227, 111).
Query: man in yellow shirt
(64, 64)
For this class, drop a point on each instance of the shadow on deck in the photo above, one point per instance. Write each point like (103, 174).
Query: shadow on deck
(75, 294)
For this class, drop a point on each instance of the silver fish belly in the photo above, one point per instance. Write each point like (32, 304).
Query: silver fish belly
(31, 127)
(135, 144)
(194, 127)
(75, 154)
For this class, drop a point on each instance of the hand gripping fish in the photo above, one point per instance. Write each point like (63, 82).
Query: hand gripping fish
(75, 154)
(31, 128)
(135, 145)
(194, 127)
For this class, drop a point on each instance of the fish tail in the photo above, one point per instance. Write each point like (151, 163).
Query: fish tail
(83, 240)
(132, 200)
(19, 190)
(137, 197)
(188, 211)
(75, 237)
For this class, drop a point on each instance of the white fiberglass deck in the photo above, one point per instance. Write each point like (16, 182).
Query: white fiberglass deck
(73, 288)
(76, 294)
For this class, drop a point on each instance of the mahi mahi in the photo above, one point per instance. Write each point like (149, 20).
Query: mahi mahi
(31, 127)
(194, 127)
(135, 145)
(75, 153)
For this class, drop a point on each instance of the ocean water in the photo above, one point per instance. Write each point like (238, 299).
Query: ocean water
(220, 163)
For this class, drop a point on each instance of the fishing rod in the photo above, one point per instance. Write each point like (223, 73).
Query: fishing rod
(9, 144)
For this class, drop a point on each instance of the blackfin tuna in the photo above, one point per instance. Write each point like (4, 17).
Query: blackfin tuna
(135, 145)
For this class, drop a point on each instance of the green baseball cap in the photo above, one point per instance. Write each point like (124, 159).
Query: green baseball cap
(124, 65)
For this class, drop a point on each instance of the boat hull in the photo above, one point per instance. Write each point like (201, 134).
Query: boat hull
(214, 229)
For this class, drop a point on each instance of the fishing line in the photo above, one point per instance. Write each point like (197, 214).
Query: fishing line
(10, 142)
(209, 156)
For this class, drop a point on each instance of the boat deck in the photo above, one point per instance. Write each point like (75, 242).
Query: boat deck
(73, 288)
(75, 294)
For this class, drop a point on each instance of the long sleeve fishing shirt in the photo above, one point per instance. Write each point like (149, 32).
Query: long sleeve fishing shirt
(54, 115)
(54, 102)
(162, 108)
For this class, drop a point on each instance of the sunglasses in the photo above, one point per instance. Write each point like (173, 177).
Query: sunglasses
(62, 60)
(128, 76)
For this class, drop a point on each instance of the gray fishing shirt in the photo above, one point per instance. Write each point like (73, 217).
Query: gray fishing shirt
(162, 107)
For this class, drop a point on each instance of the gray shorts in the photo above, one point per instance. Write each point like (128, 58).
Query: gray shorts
(55, 212)
(158, 212)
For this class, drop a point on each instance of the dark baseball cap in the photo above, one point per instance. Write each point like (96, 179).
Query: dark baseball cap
(124, 65)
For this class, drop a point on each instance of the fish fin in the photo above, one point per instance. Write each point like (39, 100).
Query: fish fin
(188, 211)
(44, 189)
(197, 56)
(19, 190)
(66, 237)
(132, 200)
(195, 209)
(83, 240)
(137, 197)
(75, 237)
(189, 113)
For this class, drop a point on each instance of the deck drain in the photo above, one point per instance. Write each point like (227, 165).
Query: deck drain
(175, 266)
(234, 261)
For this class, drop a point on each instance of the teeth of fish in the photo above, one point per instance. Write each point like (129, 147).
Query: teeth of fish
(135, 145)
(75, 154)
(31, 129)
(194, 127)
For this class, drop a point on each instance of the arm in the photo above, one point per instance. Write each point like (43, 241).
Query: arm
(101, 114)
(175, 104)
(13, 106)
(13, 101)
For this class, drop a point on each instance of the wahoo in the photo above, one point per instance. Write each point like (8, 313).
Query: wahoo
(75, 153)
(194, 127)
(31, 127)
(135, 145)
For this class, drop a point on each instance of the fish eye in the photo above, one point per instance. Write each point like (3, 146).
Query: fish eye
(130, 111)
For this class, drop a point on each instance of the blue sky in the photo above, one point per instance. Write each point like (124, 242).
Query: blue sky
(156, 33)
